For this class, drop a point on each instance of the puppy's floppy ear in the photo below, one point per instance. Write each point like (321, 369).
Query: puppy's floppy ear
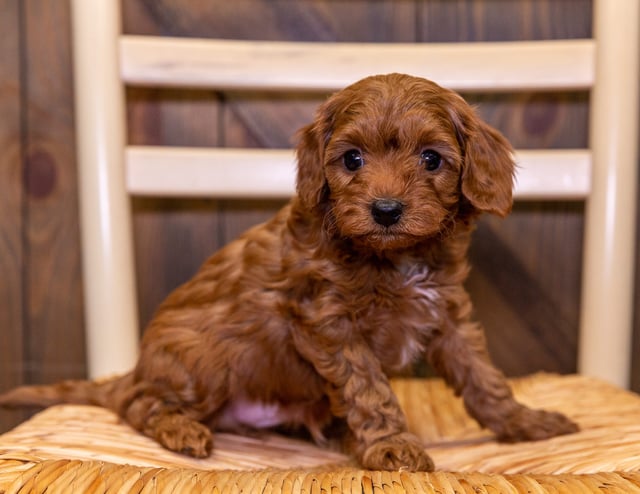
(311, 184)
(488, 169)
(310, 181)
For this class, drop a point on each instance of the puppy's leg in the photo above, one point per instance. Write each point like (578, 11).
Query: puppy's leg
(360, 392)
(168, 403)
(460, 355)
(174, 426)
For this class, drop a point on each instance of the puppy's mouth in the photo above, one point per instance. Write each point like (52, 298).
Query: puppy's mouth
(384, 240)
(384, 225)
(393, 237)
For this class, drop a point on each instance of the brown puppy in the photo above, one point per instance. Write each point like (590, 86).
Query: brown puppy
(302, 319)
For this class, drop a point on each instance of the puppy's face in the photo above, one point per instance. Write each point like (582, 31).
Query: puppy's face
(392, 166)
(392, 157)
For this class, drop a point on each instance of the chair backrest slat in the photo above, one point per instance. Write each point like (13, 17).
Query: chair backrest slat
(270, 173)
(231, 64)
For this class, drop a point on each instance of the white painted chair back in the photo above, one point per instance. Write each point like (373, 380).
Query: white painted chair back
(110, 170)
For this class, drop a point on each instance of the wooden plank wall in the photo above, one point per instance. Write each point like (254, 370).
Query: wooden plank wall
(11, 219)
(526, 275)
(40, 290)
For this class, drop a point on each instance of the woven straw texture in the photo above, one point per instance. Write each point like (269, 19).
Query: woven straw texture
(87, 449)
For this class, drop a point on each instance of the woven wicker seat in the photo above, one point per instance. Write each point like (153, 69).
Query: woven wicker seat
(88, 449)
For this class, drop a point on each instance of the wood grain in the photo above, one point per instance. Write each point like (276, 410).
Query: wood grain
(11, 197)
(53, 311)
(525, 292)
(498, 20)
(172, 237)
(304, 20)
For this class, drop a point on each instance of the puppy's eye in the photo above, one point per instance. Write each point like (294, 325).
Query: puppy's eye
(430, 159)
(352, 160)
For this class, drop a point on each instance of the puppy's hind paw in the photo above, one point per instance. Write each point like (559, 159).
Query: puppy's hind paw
(182, 435)
(536, 425)
(402, 451)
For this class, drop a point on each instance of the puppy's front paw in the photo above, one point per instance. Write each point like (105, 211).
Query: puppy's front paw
(400, 451)
(535, 425)
(183, 435)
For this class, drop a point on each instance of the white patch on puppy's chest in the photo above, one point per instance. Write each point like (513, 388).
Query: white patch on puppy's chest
(415, 313)
(410, 351)
(419, 278)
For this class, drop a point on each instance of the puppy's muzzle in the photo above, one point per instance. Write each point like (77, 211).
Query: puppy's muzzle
(386, 212)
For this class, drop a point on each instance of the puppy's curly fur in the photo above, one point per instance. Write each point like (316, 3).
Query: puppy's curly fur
(302, 319)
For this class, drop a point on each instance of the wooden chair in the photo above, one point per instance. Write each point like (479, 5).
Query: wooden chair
(110, 171)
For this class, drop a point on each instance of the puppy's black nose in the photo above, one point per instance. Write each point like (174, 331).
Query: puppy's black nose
(386, 212)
